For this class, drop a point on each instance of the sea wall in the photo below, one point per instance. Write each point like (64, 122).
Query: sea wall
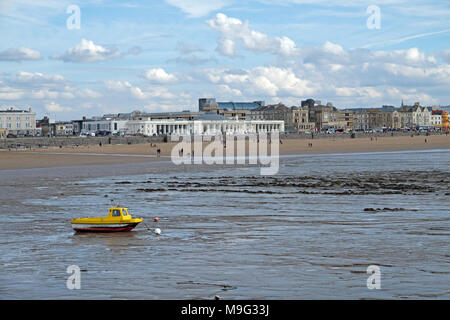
(357, 135)
(44, 142)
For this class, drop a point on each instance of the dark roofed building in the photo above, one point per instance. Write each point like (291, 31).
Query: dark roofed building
(210, 104)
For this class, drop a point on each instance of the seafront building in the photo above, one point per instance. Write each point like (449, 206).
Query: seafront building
(64, 128)
(296, 119)
(18, 122)
(436, 119)
(232, 118)
(105, 125)
(209, 123)
(389, 117)
(235, 110)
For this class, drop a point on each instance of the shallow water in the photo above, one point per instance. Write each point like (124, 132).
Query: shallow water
(309, 232)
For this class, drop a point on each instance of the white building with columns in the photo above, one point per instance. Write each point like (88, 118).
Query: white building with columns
(206, 124)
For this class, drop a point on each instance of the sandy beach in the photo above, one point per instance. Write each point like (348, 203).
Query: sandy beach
(117, 154)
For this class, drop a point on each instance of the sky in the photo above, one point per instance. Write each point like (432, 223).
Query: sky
(68, 59)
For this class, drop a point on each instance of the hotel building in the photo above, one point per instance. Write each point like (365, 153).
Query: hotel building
(206, 124)
(18, 122)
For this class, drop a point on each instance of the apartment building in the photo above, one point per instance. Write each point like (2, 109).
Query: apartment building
(18, 122)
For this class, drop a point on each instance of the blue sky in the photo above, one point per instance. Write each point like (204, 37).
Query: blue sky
(164, 55)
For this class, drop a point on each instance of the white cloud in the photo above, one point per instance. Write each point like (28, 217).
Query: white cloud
(226, 46)
(412, 95)
(40, 86)
(43, 94)
(117, 85)
(88, 93)
(88, 52)
(55, 107)
(159, 75)
(138, 92)
(356, 77)
(229, 93)
(263, 81)
(37, 78)
(234, 32)
(20, 54)
(150, 93)
(8, 93)
(366, 92)
(444, 55)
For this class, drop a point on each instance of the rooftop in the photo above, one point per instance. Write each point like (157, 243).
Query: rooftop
(211, 116)
(11, 110)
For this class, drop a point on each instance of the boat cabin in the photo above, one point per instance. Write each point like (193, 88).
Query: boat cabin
(118, 212)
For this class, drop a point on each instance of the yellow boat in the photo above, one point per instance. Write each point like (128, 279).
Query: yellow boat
(117, 220)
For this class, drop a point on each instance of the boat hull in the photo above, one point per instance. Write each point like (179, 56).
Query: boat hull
(104, 227)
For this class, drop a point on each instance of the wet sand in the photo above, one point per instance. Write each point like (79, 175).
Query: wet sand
(308, 233)
(138, 153)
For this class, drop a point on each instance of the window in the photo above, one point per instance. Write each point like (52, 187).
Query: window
(18, 125)
(116, 213)
(124, 212)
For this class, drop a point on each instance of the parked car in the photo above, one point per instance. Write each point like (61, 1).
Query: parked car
(103, 133)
